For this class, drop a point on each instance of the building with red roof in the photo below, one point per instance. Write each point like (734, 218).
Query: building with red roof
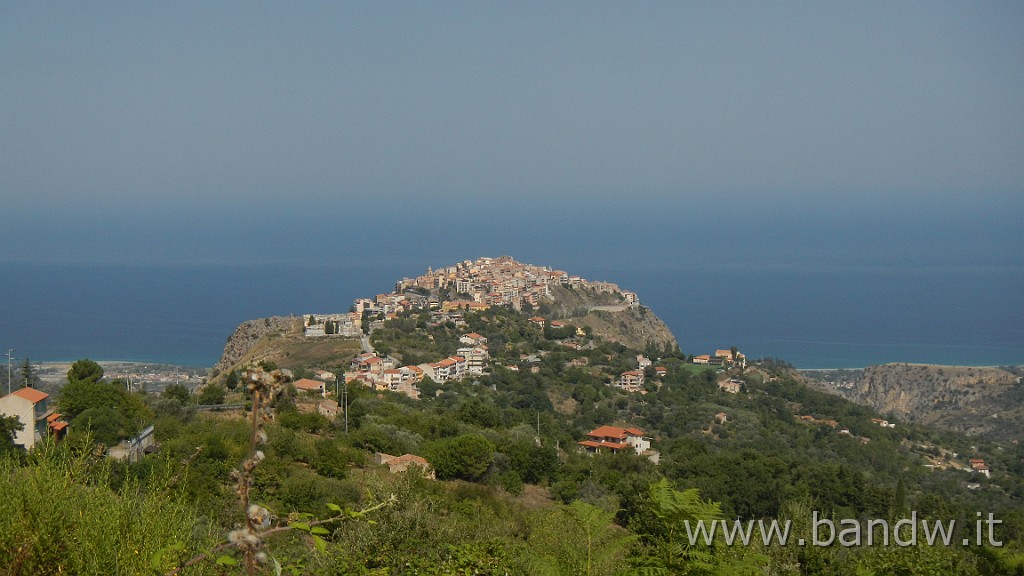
(614, 439)
(31, 408)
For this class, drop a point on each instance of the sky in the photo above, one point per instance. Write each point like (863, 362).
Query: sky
(794, 133)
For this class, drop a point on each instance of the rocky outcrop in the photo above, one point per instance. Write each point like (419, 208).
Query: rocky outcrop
(245, 337)
(635, 327)
(973, 400)
(610, 318)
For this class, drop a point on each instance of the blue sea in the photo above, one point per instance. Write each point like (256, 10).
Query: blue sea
(812, 318)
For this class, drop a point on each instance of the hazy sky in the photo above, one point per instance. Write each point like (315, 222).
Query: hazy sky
(239, 131)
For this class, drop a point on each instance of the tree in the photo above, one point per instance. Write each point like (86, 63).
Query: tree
(9, 428)
(113, 407)
(28, 374)
(177, 392)
(465, 457)
(85, 370)
(212, 394)
(231, 381)
(104, 423)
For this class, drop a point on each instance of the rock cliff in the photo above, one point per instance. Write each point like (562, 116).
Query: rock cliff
(248, 334)
(973, 400)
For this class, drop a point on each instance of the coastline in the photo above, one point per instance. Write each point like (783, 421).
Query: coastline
(160, 373)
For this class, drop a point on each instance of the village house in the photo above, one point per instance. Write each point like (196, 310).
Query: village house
(732, 385)
(537, 321)
(472, 339)
(476, 359)
(631, 381)
(978, 465)
(660, 371)
(728, 357)
(707, 359)
(614, 439)
(883, 423)
(643, 361)
(32, 408)
(307, 385)
(721, 418)
(328, 409)
(324, 375)
(314, 331)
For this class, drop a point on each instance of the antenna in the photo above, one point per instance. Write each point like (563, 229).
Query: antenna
(9, 351)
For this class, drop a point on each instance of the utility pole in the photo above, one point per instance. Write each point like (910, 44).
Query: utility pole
(9, 351)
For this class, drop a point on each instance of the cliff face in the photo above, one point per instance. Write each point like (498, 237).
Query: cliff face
(245, 337)
(632, 326)
(974, 400)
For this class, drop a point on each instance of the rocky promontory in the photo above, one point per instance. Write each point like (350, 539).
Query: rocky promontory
(611, 313)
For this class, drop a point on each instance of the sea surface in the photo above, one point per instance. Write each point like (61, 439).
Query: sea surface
(832, 318)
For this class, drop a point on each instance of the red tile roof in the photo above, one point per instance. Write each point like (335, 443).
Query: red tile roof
(31, 394)
(615, 432)
(307, 384)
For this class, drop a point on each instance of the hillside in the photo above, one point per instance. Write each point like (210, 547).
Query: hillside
(978, 401)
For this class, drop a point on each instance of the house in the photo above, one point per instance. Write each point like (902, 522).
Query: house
(707, 359)
(451, 368)
(307, 385)
(403, 380)
(537, 321)
(721, 418)
(660, 371)
(397, 464)
(614, 439)
(978, 465)
(643, 361)
(728, 357)
(473, 339)
(324, 375)
(883, 423)
(135, 448)
(732, 385)
(631, 381)
(31, 408)
(476, 359)
(328, 409)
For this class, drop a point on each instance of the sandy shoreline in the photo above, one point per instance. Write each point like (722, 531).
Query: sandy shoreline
(155, 372)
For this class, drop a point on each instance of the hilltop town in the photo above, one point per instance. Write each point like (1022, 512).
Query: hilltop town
(447, 294)
(468, 285)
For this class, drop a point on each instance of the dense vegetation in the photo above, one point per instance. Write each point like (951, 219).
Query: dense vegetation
(513, 494)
